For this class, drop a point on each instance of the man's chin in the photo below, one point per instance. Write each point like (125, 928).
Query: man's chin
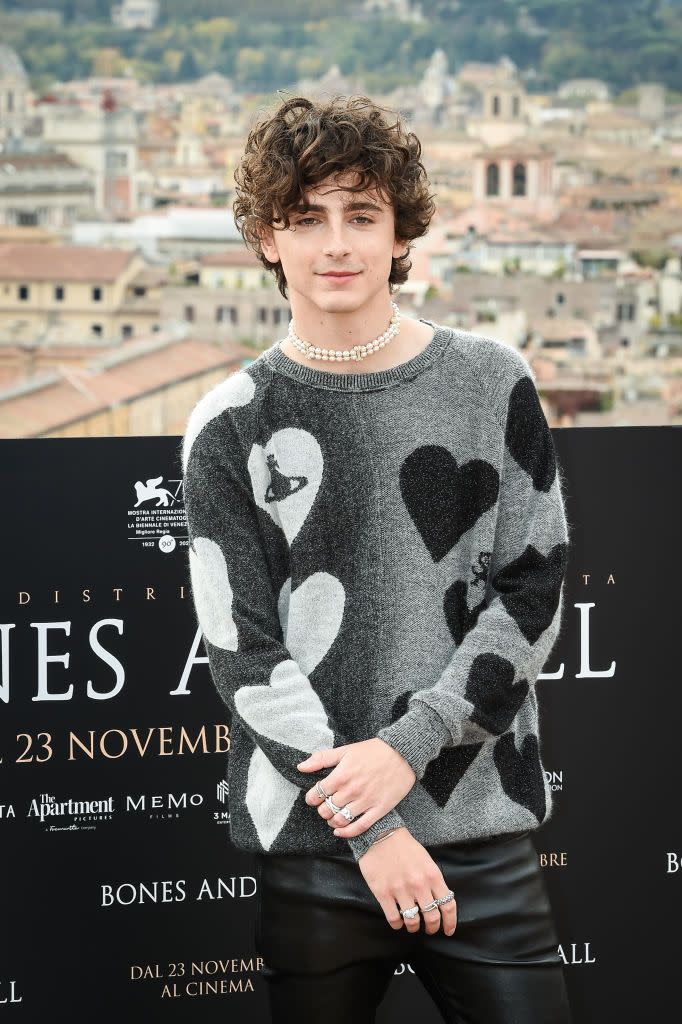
(338, 302)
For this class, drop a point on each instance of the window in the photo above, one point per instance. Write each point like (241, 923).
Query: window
(519, 180)
(96, 294)
(24, 292)
(27, 218)
(625, 311)
(224, 313)
(59, 293)
(127, 330)
(96, 330)
(189, 314)
(262, 315)
(116, 160)
(139, 290)
(492, 180)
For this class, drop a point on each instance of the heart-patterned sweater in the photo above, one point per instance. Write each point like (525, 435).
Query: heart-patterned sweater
(379, 554)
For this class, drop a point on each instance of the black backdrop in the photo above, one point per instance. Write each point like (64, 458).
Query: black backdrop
(119, 890)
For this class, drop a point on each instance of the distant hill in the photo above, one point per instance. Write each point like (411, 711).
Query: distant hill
(264, 45)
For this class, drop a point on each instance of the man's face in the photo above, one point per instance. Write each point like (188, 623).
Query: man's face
(337, 231)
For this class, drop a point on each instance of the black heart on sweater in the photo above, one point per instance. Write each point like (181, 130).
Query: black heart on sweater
(530, 588)
(491, 689)
(445, 500)
(521, 773)
(527, 435)
(446, 771)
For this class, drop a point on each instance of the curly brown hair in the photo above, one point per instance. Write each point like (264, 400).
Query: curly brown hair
(304, 142)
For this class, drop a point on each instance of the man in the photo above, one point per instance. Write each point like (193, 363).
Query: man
(378, 546)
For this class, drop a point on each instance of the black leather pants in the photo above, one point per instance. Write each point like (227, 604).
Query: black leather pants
(329, 953)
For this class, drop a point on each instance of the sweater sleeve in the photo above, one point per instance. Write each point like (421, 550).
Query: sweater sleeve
(507, 638)
(264, 684)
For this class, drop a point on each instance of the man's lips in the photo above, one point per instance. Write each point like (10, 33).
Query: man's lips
(340, 273)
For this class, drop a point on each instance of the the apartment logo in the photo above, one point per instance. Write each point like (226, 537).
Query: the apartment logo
(67, 815)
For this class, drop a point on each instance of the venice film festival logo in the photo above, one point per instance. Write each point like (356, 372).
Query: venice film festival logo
(157, 519)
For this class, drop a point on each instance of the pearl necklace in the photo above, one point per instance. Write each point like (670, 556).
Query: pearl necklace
(357, 352)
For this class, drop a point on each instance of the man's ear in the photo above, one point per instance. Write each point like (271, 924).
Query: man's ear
(401, 244)
(267, 243)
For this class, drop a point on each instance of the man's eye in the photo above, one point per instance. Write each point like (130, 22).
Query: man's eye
(359, 216)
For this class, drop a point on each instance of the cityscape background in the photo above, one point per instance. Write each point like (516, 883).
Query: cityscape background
(551, 133)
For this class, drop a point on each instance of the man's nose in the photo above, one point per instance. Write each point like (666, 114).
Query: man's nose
(337, 240)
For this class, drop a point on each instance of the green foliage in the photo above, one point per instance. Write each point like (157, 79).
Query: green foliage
(651, 257)
(622, 43)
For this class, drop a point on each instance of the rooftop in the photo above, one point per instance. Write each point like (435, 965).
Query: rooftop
(61, 262)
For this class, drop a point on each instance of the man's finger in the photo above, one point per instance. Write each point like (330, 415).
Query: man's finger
(356, 828)
(321, 759)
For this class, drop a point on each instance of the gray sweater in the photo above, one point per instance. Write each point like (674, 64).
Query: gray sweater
(379, 553)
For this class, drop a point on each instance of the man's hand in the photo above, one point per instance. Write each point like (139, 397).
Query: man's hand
(400, 871)
(370, 776)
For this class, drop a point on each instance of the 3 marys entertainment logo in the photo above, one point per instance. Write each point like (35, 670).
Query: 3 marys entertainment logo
(222, 792)
(157, 519)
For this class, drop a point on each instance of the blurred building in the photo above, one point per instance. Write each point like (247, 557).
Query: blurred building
(53, 294)
(135, 14)
(14, 89)
(46, 190)
(103, 140)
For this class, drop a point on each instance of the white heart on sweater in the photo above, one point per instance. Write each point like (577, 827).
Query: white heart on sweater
(288, 700)
(286, 476)
(236, 390)
(212, 593)
(311, 617)
(269, 798)
(290, 697)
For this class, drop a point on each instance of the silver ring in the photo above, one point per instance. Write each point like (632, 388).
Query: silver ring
(345, 811)
(440, 899)
(413, 911)
(318, 787)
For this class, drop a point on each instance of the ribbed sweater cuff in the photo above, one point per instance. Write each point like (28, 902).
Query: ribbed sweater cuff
(418, 736)
(361, 844)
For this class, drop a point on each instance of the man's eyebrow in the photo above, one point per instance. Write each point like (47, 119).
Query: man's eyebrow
(320, 208)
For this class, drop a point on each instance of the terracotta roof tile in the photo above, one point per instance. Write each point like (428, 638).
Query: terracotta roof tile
(61, 262)
(72, 393)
